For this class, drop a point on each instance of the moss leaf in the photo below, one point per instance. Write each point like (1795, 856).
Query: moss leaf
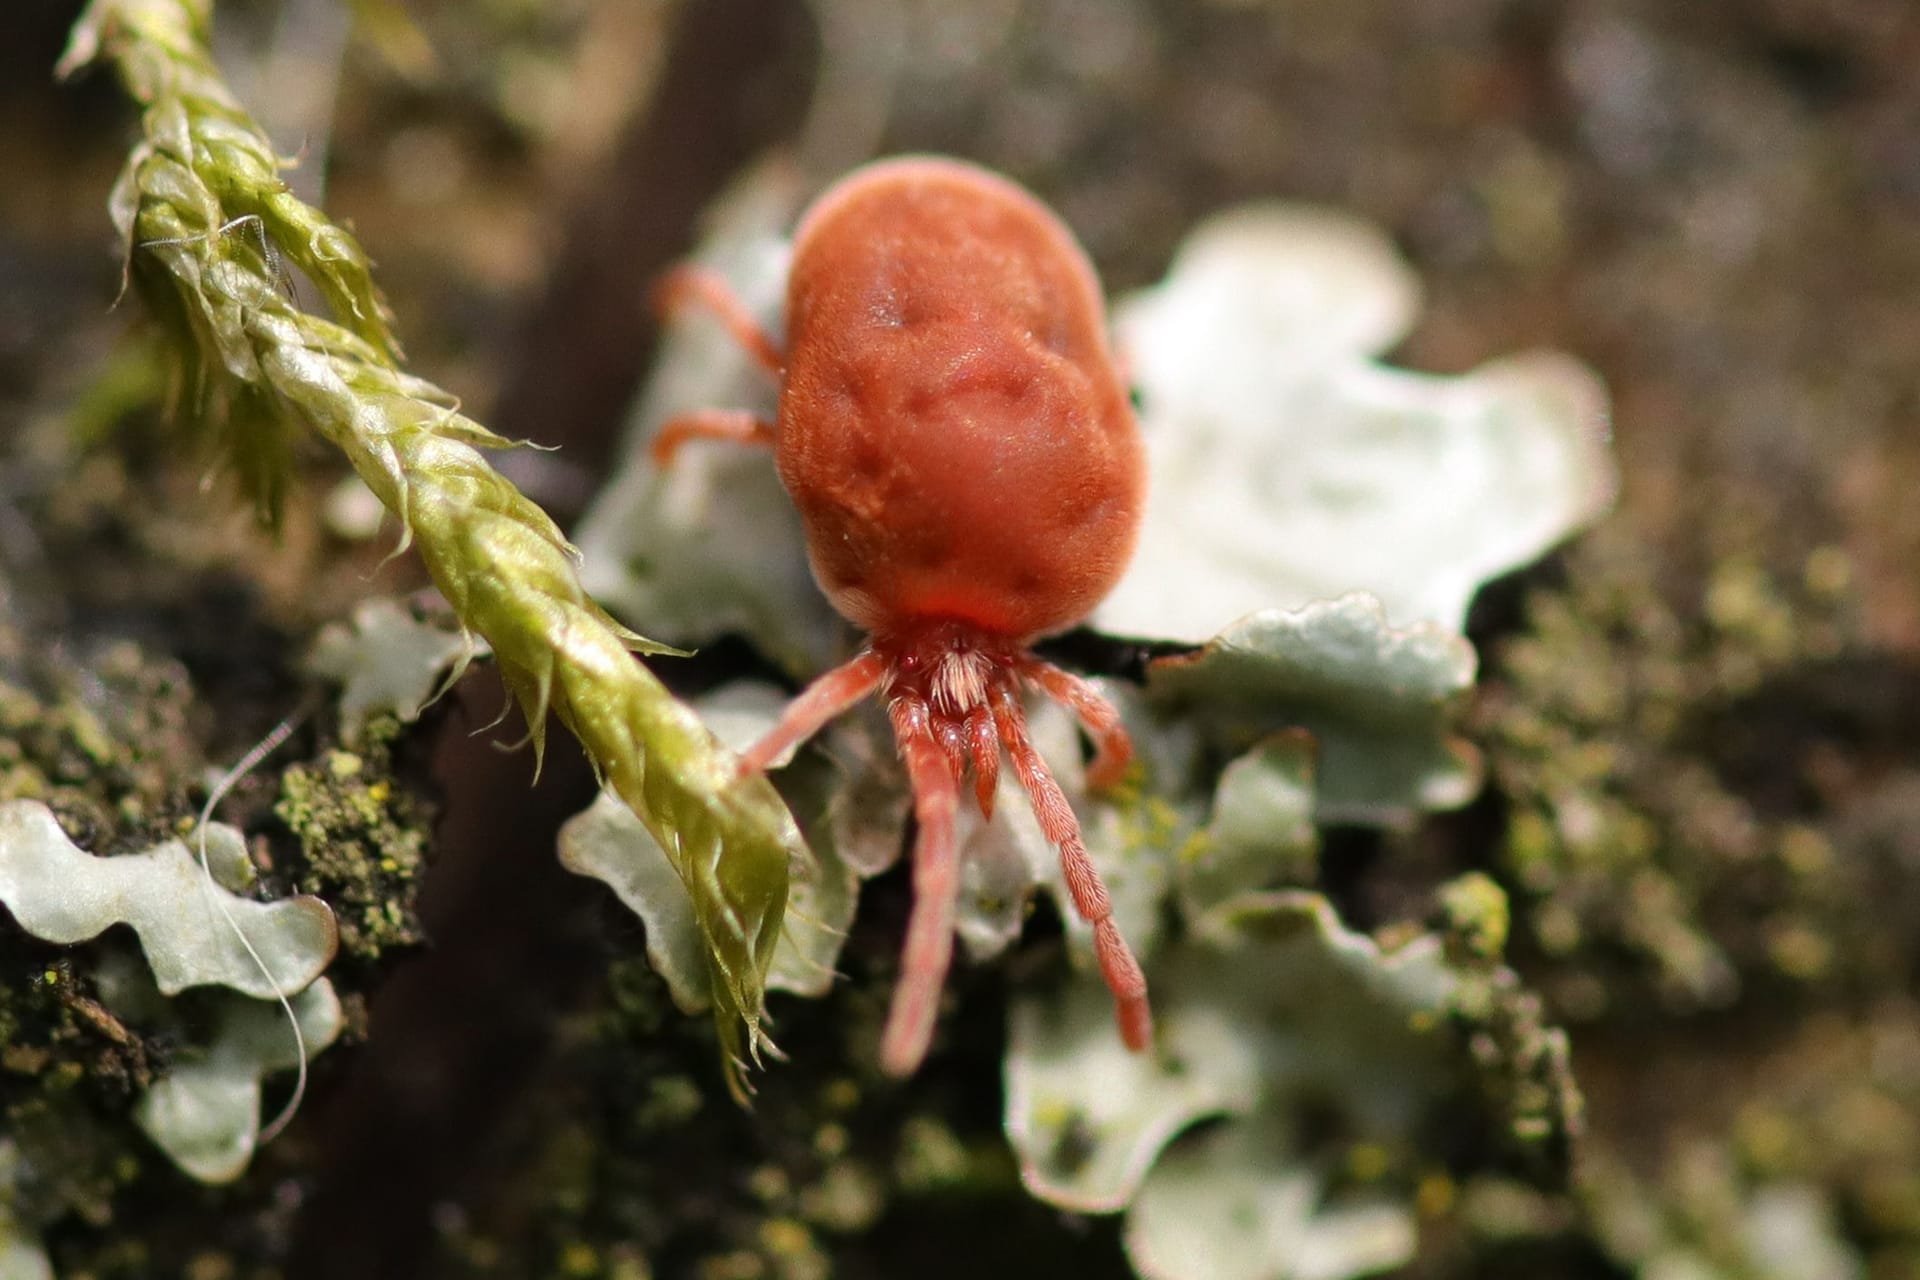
(607, 842)
(200, 202)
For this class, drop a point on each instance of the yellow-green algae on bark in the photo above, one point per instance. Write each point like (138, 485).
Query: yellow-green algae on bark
(199, 202)
(363, 838)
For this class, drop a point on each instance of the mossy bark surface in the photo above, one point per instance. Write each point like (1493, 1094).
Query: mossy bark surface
(1696, 855)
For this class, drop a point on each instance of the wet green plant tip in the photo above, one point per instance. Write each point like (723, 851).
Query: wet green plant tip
(207, 219)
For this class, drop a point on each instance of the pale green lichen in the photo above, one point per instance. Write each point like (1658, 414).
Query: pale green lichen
(1238, 1204)
(1273, 1013)
(205, 1112)
(1289, 466)
(202, 1107)
(1261, 834)
(62, 894)
(387, 660)
(199, 193)
(1378, 700)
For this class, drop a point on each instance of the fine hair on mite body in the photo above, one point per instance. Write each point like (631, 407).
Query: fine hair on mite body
(956, 435)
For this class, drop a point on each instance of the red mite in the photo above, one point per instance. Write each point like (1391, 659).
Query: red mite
(960, 445)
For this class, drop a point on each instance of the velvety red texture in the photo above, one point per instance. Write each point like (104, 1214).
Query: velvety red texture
(952, 426)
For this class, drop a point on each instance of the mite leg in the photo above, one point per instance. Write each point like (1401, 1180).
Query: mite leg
(1057, 821)
(689, 285)
(736, 425)
(952, 737)
(983, 745)
(1112, 748)
(936, 885)
(818, 703)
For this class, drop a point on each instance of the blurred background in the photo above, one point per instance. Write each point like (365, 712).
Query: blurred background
(1716, 204)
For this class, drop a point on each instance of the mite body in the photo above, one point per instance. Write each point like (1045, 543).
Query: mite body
(959, 443)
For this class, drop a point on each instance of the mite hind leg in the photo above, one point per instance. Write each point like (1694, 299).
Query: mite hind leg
(734, 425)
(928, 952)
(1090, 899)
(1112, 748)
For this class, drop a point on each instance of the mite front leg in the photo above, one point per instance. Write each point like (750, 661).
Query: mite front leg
(818, 703)
(688, 286)
(928, 952)
(983, 745)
